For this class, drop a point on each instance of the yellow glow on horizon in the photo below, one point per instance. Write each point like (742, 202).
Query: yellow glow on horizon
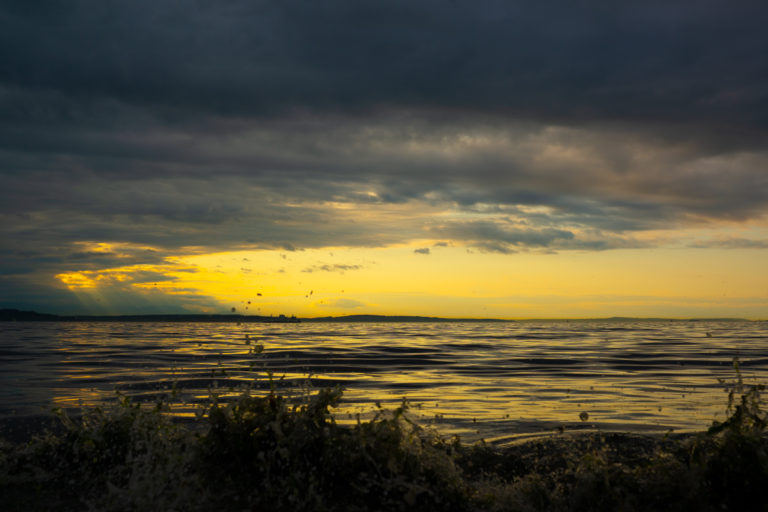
(454, 281)
(431, 278)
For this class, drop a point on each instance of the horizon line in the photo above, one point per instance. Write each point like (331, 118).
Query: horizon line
(5, 314)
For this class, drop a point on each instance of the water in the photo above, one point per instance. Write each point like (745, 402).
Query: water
(497, 381)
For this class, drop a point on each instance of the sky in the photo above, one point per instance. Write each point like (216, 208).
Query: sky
(506, 159)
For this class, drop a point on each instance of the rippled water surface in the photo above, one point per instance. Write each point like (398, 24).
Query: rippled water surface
(498, 381)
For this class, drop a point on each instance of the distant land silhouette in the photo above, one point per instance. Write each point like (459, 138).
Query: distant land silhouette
(15, 315)
(396, 318)
(33, 316)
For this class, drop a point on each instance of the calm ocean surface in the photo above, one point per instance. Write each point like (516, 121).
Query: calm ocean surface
(498, 381)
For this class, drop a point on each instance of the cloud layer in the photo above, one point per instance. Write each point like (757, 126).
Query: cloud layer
(507, 126)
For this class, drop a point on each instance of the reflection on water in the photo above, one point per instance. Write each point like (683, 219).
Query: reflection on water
(495, 380)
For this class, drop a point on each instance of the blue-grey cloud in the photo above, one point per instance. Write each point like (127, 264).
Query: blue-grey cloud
(342, 303)
(508, 238)
(730, 243)
(336, 267)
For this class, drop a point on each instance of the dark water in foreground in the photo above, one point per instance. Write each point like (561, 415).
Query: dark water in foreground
(499, 381)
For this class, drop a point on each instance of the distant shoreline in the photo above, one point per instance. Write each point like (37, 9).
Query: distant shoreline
(15, 315)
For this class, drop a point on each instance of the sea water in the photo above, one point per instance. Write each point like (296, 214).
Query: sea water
(499, 381)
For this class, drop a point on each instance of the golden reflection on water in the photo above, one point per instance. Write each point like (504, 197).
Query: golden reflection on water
(449, 409)
(479, 380)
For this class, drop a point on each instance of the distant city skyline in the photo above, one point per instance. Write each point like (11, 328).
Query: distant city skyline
(545, 159)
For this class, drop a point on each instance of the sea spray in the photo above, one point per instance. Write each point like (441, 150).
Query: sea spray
(262, 452)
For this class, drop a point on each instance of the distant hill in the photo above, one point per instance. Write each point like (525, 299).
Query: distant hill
(386, 318)
(26, 316)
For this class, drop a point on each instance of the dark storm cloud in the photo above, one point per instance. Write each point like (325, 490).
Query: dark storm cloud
(671, 60)
(202, 126)
(270, 187)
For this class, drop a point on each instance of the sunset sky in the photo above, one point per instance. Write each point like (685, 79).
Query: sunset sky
(506, 159)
